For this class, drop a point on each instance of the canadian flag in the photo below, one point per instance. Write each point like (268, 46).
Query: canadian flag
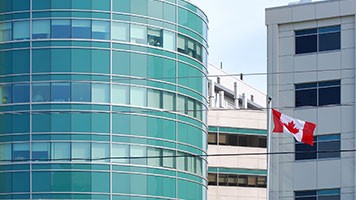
(301, 130)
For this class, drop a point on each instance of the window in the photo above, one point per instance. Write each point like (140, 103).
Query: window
(181, 104)
(21, 151)
(138, 154)
(317, 93)
(120, 94)
(329, 145)
(169, 40)
(100, 93)
(101, 30)
(120, 31)
(154, 98)
(41, 92)
(60, 151)
(41, 29)
(5, 94)
(80, 151)
(138, 34)
(168, 158)
(317, 39)
(238, 140)
(5, 32)
(154, 37)
(40, 151)
(21, 30)
(168, 101)
(154, 157)
(61, 29)
(237, 180)
(81, 29)
(21, 93)
(100, 151)
(120, 153)
(81, 92)
(328, 194)
(60, 92)
(138, 96)
(190, 47)
(5, 152)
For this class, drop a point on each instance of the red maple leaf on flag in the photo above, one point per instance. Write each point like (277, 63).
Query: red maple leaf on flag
(291, 127)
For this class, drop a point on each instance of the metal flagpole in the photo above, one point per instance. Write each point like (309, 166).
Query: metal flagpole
(269, 136)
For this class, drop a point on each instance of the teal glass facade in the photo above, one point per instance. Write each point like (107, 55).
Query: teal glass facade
(102, 99)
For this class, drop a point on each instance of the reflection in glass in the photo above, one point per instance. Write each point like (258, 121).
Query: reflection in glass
(100, 93)
(81, 92)
(120, 153)
(138, 96)
(60, 151)
(21, 93)
(61, 29)
(120, 94)
(21, 30)
(41, 29)
(101, 30)
(40, 151)
(120, 31)
(80, 151)
(41, 92)
(81, 29)
(21, 151)
(100, 151)
(5, 94)
(60, 92)
(5, 32)
(138, 34)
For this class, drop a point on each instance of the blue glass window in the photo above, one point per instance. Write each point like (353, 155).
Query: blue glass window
(60, 92)
(5, 32)
(81, 29)
(41, 92)
(40, 151)
(101, 30)
(60, 151)
(120, 31)
(61, 29)
(41, 29)
(81, 92)
(21, 151)
(100, 93)
(80, 151)
(21, 30)
(5, 94)
(21, 93)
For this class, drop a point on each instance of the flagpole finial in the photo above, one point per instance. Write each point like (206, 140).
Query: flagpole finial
(269, 99)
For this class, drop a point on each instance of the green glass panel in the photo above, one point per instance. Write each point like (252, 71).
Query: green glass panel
(20, 61)
(169, 129)
(79, 64)
(121, 6)
(155, 67)
(19, 5)
(121, 183)
(21, 182)
(169, 187)
(134, 179)
(101, 61)
(41, 4)
(21, 123)
(41, 181)
(60, 122)
(100, 122)
(5, 183)
(120, 63)
(81, 181)
(169, 12)
(138, 65)
(154, 127)
(81, 4)
(41, 60)
(60, 60)
(101, 5)
(155, 186)
(61, 181)
(6, 6)
(6, 62)
(62, 4)
(100, 177)
(138, 130)
(81, 122)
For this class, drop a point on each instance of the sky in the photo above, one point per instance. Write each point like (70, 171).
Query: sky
(237, 36)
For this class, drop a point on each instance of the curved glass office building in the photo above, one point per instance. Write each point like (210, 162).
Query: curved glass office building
(102, 99)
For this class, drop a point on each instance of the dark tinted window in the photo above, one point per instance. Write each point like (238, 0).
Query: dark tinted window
(306, 97)
(328, 194)
(328, 96)
(237, 180)
(318, 39)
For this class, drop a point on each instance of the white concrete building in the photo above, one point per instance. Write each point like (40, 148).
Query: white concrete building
(237, 124)
(311, 76)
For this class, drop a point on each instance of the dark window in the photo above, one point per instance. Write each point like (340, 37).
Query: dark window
(154, 37)
(317, 39)
(317, 93)
(328, 194)
(237, 180)
(325, 146)
(212, 138)
(190, 47)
